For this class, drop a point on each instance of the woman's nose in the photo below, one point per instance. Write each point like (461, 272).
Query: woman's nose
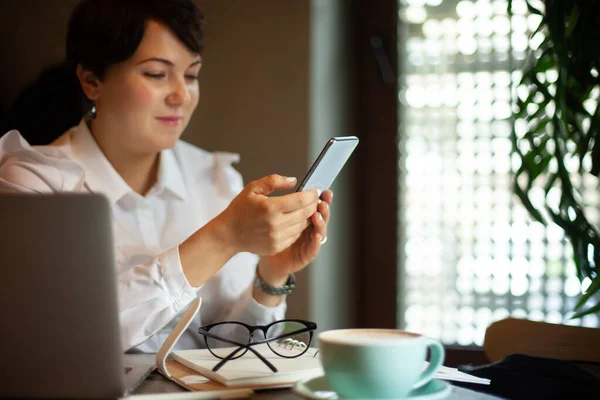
(179, 93)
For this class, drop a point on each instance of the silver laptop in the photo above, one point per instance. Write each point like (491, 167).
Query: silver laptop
(59, 323)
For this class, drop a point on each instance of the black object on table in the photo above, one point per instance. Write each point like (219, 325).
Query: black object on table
(520, 376)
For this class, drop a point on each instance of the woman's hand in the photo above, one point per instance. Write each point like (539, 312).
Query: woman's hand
(266, 226)
(275, 269)
(253, 222)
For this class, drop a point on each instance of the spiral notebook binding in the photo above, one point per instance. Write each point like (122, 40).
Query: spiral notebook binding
(291, 344)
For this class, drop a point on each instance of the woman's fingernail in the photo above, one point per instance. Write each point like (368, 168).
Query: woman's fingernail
(290, 179)
(320, 217)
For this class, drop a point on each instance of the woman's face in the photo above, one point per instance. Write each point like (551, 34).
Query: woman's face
(146, 102)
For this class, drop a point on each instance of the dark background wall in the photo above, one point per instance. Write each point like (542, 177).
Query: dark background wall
(254, 82)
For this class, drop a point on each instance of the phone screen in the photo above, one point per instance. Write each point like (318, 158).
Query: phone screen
(329, 163)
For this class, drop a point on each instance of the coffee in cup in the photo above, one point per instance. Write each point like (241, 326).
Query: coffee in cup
(377, 363)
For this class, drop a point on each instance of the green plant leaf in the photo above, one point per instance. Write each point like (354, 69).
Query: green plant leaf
(542, 166)
(592, 135)
(572, 22)
(541, 126)
(545, 62)
(550, 182)
(533, 10)
(576, 243)
(591, 310)
(540, 112)
(593, 289)
(527, 203)
(543, 88)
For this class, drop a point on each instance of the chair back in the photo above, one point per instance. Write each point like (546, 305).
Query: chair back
(541, 339)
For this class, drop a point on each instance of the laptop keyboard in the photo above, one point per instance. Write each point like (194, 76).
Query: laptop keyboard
(127, 370)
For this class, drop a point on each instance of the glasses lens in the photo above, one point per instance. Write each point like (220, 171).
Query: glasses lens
(294, 338)
(225, 337)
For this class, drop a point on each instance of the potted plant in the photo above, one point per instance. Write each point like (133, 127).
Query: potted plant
(557, 123)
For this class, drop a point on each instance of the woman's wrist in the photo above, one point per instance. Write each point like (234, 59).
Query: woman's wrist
(272, 278)
(269, 289)
(270, 275)
(223, 235)
(205, 252)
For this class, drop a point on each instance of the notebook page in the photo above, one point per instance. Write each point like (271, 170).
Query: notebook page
(453, 374)
(249, 369)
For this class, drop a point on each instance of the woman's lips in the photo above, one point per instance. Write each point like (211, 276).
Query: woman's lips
(170, 121)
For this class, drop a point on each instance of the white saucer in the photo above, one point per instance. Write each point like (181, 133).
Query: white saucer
(318, 389)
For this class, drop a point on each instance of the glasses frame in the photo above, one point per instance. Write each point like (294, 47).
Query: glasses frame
(310, 327)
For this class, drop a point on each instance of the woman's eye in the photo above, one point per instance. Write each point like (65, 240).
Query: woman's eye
(191, 77)
(155, 75)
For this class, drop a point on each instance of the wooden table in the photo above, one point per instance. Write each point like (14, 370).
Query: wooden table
(156, 383)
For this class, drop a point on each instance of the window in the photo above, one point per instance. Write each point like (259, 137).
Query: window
(470, 252)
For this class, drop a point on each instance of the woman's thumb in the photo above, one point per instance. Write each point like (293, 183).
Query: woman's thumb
(271, 183)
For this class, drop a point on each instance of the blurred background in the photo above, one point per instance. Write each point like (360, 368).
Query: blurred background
(426, 233)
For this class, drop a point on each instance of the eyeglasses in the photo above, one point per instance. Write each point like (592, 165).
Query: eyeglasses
(280, 336)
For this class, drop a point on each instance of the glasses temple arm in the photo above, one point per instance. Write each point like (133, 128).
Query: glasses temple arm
(232, 354)
(248, 347)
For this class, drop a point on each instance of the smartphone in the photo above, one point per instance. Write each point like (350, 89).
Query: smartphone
(329, 163)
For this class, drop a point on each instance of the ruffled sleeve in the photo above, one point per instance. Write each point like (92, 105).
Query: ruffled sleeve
(40, 169)
(227, 179)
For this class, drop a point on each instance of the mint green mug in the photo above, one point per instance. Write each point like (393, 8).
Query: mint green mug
(377, 363)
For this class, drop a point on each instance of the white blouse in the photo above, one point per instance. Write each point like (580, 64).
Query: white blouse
(193, 187)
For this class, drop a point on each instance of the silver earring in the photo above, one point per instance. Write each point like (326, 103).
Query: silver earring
(91, 114)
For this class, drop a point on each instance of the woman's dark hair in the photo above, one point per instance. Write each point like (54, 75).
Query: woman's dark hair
(106, 32)
(47, 107)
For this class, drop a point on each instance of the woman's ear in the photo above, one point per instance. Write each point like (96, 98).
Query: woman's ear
(89, 83)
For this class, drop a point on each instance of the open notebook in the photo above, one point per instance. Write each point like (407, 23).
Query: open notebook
(192, 369)
(249, 370)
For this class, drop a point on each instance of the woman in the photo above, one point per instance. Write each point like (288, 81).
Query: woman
(184, 224)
